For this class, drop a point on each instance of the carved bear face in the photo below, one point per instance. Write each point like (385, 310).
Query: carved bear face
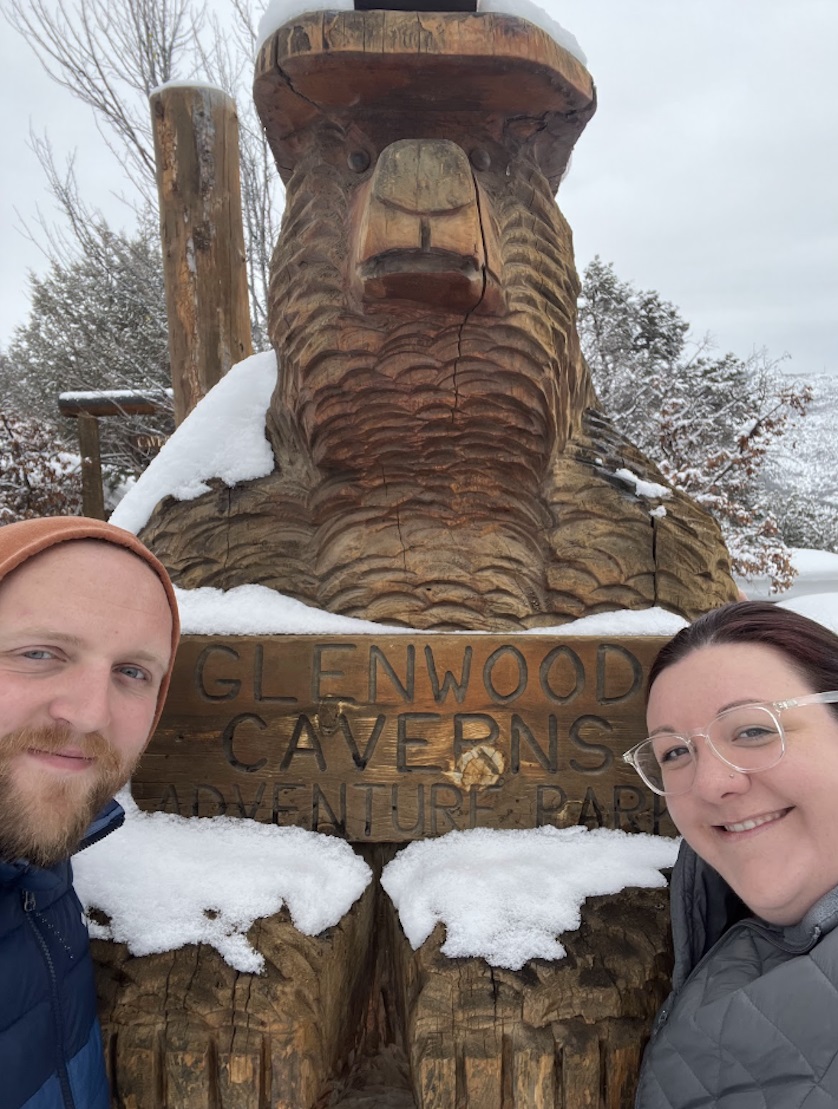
(422, 288)
(423, 291)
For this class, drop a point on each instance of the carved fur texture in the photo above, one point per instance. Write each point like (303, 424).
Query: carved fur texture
(440, 458)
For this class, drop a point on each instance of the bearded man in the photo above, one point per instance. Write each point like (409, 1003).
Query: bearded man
(88, 633)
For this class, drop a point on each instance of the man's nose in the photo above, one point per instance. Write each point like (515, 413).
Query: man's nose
(83, 701)
(713, 776)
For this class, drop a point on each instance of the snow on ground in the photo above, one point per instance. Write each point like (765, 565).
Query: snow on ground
(166, 881)
(817, 572)
(504, 896)
(820, 607)
(279, 12)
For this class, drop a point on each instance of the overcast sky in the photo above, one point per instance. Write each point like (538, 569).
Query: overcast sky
(709, 173)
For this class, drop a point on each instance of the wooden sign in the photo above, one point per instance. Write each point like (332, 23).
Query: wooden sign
(400, 737)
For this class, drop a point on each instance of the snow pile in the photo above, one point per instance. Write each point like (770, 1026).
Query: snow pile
(87, 396)
(280, 12)
(258, 610)
(643, 488)
(166, 881)
(222, 437)
(504, 895)
(187, 84)
(638, 621)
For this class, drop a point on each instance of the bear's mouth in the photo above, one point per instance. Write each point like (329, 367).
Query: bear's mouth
(436, 278)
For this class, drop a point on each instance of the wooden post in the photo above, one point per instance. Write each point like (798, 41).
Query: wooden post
(93, 500)
(86, 407)
(197, 154)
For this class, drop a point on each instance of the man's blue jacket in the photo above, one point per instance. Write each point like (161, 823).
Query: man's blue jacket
(50, 1043)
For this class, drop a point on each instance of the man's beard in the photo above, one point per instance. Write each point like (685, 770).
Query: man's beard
(44, 814)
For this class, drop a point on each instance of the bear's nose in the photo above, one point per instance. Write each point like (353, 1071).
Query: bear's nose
(424, 177)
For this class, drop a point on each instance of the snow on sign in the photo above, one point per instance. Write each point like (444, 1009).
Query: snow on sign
(392, 738)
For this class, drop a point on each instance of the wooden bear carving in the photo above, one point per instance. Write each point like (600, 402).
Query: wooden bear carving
(440, 462)
(440, 458)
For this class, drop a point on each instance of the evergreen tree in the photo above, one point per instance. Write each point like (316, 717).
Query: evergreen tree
(97, 322)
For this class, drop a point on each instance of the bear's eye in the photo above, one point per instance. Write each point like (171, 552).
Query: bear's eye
(358, 161)
(480, 158)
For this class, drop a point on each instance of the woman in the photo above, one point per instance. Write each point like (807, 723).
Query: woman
(743, 743)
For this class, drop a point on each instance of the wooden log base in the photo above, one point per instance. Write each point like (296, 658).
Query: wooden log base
(355, 1018)
(183, 1030)
(562, 1035)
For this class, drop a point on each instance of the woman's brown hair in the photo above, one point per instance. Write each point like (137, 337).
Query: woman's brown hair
(809, 647)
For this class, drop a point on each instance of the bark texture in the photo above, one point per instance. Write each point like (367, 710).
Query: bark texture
(355, 1018)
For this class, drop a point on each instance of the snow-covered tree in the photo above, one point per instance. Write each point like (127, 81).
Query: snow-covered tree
(97, 318)
(37, 476)
(97, 321)
(709, 422)
(801, 473)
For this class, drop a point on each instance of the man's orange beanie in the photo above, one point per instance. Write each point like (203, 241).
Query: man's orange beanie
(22, 541)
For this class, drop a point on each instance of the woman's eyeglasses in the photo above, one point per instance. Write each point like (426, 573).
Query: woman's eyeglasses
(747, 738)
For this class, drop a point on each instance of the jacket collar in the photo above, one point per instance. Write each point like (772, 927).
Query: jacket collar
(20, 872)
(703, 907)
(111, 817)
(821, 918)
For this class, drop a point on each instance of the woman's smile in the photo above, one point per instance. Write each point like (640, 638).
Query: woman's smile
(751, 823)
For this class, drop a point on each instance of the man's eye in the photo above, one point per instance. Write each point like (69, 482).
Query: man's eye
(37, 654)
(135, 673)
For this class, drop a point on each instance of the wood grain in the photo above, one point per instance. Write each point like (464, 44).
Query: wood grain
(423, 64)
(439, 458)
(552, 1036)
(355, 1018)
(197, 161)
(183, 1030)
(395, 738)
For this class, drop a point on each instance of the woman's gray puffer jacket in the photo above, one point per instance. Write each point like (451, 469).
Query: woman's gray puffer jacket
(752, 1020)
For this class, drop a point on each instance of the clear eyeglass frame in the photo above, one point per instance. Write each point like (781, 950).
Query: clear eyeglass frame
(636, 756)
